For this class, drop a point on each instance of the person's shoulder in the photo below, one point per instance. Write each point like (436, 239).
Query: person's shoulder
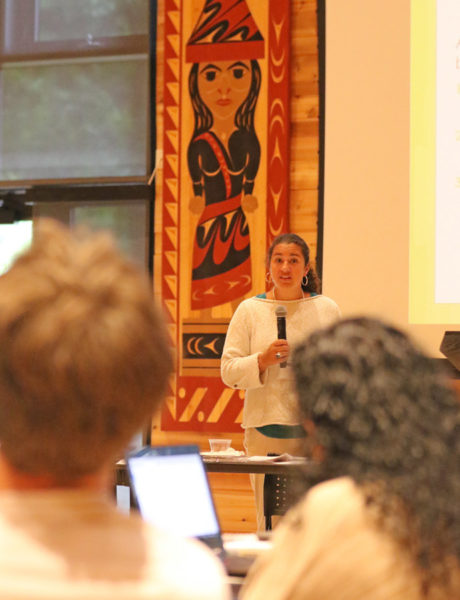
(323, 299)
(334, 502)
(330, 491)
(325, 302)
(308, 535)
(250, 310)
(328, 505)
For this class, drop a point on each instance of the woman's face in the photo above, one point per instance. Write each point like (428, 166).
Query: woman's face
(287, 268)
(224, 85)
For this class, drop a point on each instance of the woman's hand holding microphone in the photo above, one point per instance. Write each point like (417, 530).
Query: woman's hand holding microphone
(275, 354)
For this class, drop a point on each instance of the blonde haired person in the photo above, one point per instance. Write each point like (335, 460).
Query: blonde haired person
(252, 354)
(382, 520)
(84, 362)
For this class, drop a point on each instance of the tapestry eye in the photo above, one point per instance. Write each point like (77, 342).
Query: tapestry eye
(210, 75)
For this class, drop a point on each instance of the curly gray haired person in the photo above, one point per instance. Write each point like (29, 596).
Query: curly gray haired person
(384, 426)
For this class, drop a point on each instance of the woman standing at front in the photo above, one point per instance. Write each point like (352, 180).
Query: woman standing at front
(252, 355)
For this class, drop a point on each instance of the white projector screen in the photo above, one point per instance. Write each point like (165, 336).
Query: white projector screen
(391, 245)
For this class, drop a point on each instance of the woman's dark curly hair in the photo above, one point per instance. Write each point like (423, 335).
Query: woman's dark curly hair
(314, 283)
(386, 417)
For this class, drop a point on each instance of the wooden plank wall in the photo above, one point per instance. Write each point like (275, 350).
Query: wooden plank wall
(304, 122)
(232, 492)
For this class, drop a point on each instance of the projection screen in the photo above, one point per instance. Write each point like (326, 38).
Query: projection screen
(391, 231)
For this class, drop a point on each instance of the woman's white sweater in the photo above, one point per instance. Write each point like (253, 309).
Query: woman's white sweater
(270, 398)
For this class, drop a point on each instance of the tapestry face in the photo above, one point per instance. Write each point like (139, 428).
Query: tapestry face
(225, 185)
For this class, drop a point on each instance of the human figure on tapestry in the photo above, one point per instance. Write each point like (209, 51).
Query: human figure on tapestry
(223, 154)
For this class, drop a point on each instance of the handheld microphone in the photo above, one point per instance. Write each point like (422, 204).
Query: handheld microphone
(281, 313)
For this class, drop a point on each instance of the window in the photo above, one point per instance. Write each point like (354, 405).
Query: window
(77, 135)
(74, 90)
(127, 220)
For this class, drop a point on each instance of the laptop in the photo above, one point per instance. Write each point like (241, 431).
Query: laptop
(171, 490)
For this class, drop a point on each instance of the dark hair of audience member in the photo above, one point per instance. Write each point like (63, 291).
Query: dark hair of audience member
(384, 415)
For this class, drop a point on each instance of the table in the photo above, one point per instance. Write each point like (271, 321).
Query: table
(237, 464)
(272, 467)
(243, 464)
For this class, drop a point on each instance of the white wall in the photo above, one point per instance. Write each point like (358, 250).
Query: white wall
(367, 144)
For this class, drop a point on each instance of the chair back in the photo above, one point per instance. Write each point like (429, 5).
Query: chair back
(279, 495)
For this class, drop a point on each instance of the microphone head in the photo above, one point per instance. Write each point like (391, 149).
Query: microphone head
(281, 311)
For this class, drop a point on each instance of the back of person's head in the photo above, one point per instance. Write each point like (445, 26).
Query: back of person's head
(84, 356)
(384, 415)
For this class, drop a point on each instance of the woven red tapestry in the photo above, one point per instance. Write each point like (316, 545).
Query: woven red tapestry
(224, 193)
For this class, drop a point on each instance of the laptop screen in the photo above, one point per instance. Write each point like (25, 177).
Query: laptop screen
(172, 491)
